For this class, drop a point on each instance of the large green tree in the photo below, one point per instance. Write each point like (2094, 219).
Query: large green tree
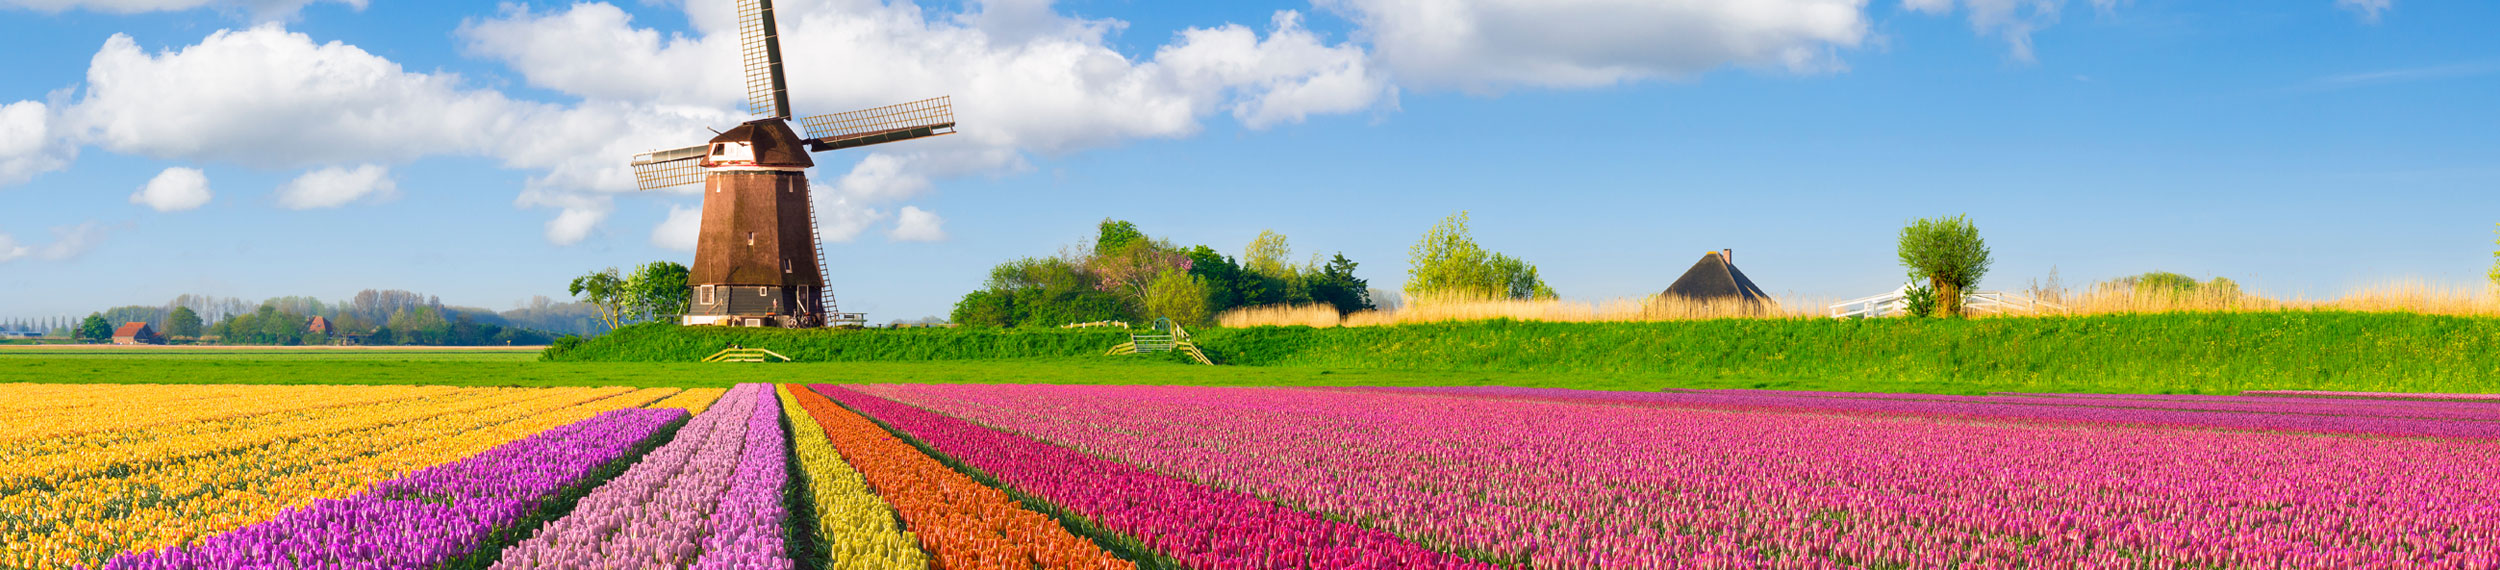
(656, 290)
(1336, 285)
(603, 289)
(1179, 296)
(182, 323)
(1448, 264)
(1948, 255)
(95, 328)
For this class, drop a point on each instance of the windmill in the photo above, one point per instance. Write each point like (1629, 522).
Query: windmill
(757, 259)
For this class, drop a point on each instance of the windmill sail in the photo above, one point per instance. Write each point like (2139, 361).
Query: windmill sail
(923, 118)
(665, 168)
(759, 41)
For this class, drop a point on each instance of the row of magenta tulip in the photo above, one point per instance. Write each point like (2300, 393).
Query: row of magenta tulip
(2435, 410)
(704, 483)
(2291, 415)
(963, 524)
(1542, 482)
(427, 518)
(1195, 525)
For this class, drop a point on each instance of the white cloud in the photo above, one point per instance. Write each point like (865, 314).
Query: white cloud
(271, 98)
(1024, 79)
(10, 250)
(840, 218)
(30, 142)
(1490, 45)
(2014, 20)
(336, 186)
(68, 242)
(176, 189)
(572, 225)
(2368, 9)
(262, 10)
(915, 224)
(680, 230)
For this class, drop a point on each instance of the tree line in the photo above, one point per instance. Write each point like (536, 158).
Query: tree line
(372, 317)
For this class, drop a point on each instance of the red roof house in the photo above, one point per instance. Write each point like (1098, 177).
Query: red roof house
(136, 333)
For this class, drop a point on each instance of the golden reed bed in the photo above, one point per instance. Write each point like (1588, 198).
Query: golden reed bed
(2393, 297)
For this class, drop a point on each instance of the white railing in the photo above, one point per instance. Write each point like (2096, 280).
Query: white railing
(1987, 302)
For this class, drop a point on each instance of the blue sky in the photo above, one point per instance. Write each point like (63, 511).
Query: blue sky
(475, 151)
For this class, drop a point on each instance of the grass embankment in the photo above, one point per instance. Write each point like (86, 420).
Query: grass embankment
(2167, 353)
(2174, 352)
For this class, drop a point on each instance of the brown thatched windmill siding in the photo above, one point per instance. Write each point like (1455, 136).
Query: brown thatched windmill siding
(1715, 278)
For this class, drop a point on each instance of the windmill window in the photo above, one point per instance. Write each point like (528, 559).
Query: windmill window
(707, 294)
(785, 265)
(750, 238)
(762, 292)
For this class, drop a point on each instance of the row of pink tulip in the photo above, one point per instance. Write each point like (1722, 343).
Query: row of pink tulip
(2359, 408)
(1195, 525)
(2291, 415)
(696, 502)
(1587, 483)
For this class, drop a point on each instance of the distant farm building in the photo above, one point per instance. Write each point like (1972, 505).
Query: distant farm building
(1715, 278)
(136, 333)
(318, 325)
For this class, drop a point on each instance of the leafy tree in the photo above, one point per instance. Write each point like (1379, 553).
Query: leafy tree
(985, 308)
(602, 289)
(95, 328)
(1115, 234)
(1336, 285)
(1267, 255)
(1228, 285)
(1947, 254)
(315, 339)
(182, 322)
(1042, 292)
(1179, 296)
(1448, 263)
(657, 289)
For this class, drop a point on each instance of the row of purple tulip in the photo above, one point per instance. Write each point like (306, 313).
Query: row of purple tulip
(709, 498)
(1562, 483)
(1196, 525)
(2292, 415)
(429, 517)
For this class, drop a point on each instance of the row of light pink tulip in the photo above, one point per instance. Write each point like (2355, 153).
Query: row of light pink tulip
(710, 498)
(1594, 482)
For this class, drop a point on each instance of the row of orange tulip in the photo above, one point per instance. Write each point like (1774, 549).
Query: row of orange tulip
(963, 524)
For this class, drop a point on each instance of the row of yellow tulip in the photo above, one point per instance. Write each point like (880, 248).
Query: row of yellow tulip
(53, 461)
(155, 504)
(856, 527)
(693, 400)
(107, 407)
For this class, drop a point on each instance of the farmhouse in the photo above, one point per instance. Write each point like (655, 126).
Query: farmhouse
(136, 333)
(318, 325)
(1715, 278)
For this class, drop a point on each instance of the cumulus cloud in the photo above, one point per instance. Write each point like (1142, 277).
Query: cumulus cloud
(271, 98)
(680, 230)
(1489, 45)
(1024, 79)
(68, 242)
(176, 189)
(263, 10)
(337, 186)
(30, 144)
(2368, 9)
(915, 224)
(841, 218)
(2012, 20)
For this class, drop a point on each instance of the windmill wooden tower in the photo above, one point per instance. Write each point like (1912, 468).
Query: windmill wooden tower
(757, 259)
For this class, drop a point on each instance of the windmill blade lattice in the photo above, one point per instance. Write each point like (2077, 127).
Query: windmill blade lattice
(853, 128)
(665, 168)
(759, 45)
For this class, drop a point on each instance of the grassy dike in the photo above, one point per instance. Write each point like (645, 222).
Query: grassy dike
(2157, 353)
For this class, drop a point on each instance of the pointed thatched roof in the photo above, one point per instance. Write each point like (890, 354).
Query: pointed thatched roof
(1714, 279)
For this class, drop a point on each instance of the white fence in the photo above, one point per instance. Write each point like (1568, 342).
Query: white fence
(1983, 302)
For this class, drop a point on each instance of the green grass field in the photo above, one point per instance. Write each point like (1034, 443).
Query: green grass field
(2168, 353)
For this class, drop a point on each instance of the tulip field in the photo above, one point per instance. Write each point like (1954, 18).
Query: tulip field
(998, 476)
